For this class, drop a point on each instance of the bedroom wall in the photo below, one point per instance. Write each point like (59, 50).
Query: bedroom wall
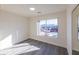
(14, 26)
(61, 40)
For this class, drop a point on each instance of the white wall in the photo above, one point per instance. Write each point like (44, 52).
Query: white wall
(12, 24)
(69, 27)
(61, 40)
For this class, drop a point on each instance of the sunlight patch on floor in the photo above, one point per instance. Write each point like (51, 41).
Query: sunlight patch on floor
(6, 42)
(19, 49)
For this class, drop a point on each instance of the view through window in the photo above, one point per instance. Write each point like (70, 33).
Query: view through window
(47, 27)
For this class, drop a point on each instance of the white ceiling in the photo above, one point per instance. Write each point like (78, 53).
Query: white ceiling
(23, 9)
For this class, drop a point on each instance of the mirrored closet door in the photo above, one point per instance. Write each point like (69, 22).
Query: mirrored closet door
(75, 31)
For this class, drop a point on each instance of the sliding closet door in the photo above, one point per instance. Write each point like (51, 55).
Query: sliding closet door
(75, 31)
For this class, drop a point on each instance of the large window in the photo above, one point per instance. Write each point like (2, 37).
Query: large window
(47, 27)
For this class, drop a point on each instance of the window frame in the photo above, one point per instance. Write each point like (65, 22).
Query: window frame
(46, 23)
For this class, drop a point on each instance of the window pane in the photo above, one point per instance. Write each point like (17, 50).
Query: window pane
(52, 27)
(41, 27)
(48, 27)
